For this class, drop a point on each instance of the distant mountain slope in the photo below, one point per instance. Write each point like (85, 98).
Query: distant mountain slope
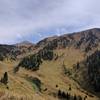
(6, 50)
(12, 51)
(85, 40)
(24, 43)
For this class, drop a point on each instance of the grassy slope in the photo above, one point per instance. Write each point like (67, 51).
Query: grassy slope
(50, 73)
(19, 87)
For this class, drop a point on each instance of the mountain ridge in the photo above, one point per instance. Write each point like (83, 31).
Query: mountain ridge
(54, 68)
(84, 40)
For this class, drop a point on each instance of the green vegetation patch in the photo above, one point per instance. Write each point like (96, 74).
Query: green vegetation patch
(36, 83)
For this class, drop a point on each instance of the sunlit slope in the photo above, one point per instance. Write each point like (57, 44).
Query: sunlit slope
(51, 74)
(18, 87)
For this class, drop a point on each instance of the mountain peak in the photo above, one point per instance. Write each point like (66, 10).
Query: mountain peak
(24, 43)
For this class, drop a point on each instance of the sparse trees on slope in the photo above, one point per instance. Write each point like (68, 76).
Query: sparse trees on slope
(33, 62)
(67, 96)
(93, 63)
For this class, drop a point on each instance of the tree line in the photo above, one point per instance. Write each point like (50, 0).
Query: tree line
(67, 96)
(34, 61)
(93, 65)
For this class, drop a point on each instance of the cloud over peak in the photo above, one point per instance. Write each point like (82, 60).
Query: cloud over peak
(35, 19)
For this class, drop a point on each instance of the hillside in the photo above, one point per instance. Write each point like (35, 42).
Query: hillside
(87, 73)
(56, 68)
(13, 52)
(85, 40)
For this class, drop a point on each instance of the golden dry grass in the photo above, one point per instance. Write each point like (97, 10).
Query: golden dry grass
(50, 74)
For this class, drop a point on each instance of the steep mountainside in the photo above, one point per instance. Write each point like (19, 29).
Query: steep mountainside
(56, 68)
(87, 72)
(6, 50)
(13, 51)
(66, 49)
(85, 40)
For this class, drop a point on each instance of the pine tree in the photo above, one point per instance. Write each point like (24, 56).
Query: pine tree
(75, 98)
(59, 93)
(78, 65)
(5, 78)
(79, 98)
(63, 95)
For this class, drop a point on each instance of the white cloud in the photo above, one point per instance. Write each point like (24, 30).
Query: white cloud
(21, 18)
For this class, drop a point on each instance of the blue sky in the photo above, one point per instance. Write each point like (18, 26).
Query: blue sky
(35, 19)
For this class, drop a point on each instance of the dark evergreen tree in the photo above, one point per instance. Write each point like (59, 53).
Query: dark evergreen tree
(74, 98)
(4, 80)
(93, 63)
(78, 65)
(67, 96)
(63, 95)
(79, 98)
(59, 93)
